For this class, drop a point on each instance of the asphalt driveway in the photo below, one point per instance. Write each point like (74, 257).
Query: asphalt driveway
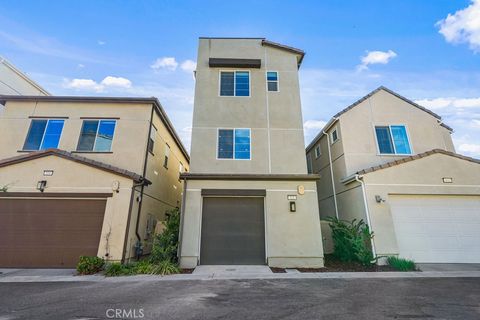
(421, 298)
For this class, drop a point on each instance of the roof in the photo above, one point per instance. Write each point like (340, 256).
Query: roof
(119, 100)
(249, 176)
(356, 103)
(416, 157)
(73, 157)
(6, 63)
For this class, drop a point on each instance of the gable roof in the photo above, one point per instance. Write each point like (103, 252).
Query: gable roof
(416, 157)
(119, 100)
(76, 158)
(276, 45)
(356, 103)
(22, 75)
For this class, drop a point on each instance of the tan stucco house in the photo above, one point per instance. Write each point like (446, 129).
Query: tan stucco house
(249, 199)
(392, 163)
(84, 176)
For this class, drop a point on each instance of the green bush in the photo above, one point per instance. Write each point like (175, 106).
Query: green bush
(165, 244)
(352, 241)
(401, 264)
(116, 269)
(90, 265)
(164, 268)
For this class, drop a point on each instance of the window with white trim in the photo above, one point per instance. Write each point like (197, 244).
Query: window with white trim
(233, 144)
(235, 83)
(318, 151)
(43, 134)
(272, 80)
(334, 136)
(167, 154)
(152, 138)
(96, 135)
(392, 140)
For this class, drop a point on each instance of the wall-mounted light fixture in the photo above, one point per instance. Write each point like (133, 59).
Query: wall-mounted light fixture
(41, 185)
(293, 206)
(379, 199)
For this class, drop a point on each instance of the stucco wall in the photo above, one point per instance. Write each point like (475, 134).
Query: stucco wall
(292, 239)
(272, 116)
(70, 176)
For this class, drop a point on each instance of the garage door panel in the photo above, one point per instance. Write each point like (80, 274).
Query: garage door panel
(437, 229)
(233, 231)
(49, 232)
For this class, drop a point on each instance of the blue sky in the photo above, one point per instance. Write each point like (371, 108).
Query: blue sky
(425, 50)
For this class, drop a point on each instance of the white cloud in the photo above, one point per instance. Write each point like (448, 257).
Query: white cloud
(120, 82)
(80, 66)
(463, 26)
(92, 85)
(440, 103)
(470, 148)
(376, 57)
(101, 43)
(168, 63)
(188, 65)
(475, 123)
(314, 124)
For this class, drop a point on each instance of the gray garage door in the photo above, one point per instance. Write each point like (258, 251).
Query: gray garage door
(233, 231)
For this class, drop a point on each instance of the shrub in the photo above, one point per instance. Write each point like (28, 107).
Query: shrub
(401, 264)
(351, 241)
(90, 265)
(164, 268)
(165, 244)
(116, 269)
(143, 267)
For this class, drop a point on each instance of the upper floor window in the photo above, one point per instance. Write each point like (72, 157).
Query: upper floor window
(235, 83)
(309, 163)
(334, 136)
(96, 135)
(234, 144)
(318, 151)
(167, 155)
(272, 81)
(43, 134)
(392, 140)
(151, 139)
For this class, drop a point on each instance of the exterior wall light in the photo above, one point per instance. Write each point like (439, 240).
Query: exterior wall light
(379, 199)
(293, 206)
(41, 185)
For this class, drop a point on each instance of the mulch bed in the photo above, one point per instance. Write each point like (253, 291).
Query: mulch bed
(332, 264)
(278, 270)
(186, 271)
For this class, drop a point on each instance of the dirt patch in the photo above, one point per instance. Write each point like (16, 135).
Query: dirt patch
(278, 270)
(332, 264)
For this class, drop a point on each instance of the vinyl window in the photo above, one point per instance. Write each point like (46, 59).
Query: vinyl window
(318, 151)
(43, 134)
(392, 140)
(235, 83)
(96, 135)
(272, 81)
(233, 144)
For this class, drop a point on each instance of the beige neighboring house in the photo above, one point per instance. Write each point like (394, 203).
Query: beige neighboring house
(249, 199)
(15, 82)
(84, 176)
(392, 163)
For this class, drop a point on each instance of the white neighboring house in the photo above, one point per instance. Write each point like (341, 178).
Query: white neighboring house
(15, 82)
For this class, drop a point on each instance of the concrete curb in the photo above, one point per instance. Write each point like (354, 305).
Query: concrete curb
(273, 276)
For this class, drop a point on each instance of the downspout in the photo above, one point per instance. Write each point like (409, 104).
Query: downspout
(182, 219)
(367, 211)
(331, 173)
(127, 231)
(139, 239)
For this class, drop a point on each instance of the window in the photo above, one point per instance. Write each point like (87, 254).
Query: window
(334, 136)
(43, 134)
(392, 140)
(272, 81)
(309, 163)
(167, 154)
(235, 83)
(318, 151)
(96, 135)
(151, 139)
(234, 144)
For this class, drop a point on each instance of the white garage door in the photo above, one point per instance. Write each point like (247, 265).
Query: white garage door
(442, 229)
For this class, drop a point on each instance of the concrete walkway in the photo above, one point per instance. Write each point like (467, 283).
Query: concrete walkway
(64, 275)
(449, 266)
